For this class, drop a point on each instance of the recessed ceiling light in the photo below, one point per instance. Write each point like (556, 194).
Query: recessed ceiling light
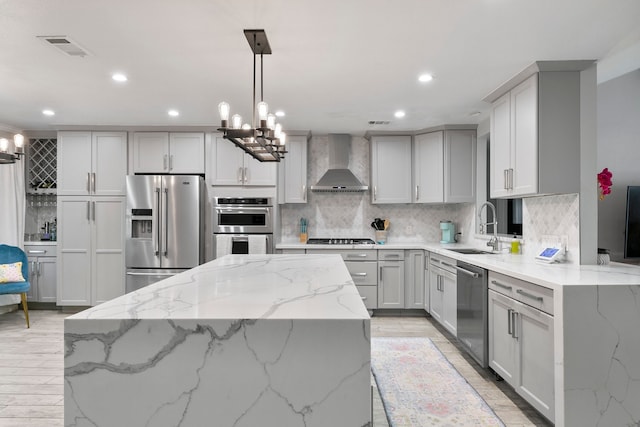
(280, 113)
(425, 78)
(119, 77)
(173, 113)
(475, 114)
(48, 112)
(399, 114)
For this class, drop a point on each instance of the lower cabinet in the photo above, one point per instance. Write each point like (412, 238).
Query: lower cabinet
(443, 292)
(414, 292)
(90, 250)
(42, 272)
(391, 279)
(521, 344)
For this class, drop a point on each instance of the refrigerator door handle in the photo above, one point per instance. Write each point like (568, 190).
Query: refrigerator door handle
(166, 222)
(156, 221)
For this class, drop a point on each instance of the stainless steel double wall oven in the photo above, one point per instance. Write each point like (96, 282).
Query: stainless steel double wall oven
(241, 220)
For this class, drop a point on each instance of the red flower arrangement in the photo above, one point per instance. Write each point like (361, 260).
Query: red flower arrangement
(605, 183)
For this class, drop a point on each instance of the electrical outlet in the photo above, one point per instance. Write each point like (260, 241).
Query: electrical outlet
(460, 231)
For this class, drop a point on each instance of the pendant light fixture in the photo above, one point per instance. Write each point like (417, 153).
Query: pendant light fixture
(8, 158)
(264, 140)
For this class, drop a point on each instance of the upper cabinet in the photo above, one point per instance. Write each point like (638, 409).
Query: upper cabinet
(391, 169)
(535, 131)
(292, 171)
(444, 166)
(168, 152)
(233, 167)
(92, 163)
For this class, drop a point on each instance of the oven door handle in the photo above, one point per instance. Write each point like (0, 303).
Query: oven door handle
(239, 238)
(240, 210)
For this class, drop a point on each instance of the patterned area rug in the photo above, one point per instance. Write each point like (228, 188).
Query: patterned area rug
(419, 387)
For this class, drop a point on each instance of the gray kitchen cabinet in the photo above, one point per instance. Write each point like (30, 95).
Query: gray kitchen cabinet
(414, 295)
(363, 267)
(535, 131)
(91, 163)
(292, 171)
(168, 152)
(390, 169)
(444, 166)
(42, 272)
(426, 277)
(233, 167)
(443, 292)
(391, 283)
(90, 250)
(521, 340)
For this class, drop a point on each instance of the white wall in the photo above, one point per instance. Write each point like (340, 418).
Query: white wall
(619, 150)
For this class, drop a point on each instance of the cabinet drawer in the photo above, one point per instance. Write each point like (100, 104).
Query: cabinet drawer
(369, 295)
(40, 250)
(349, 255)
(526, 292)
(391, 255)
(363, 273)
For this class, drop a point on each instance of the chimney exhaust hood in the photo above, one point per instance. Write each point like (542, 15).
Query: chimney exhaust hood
(338, 178)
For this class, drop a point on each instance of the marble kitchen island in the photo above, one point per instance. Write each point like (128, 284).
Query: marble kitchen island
(245, 340)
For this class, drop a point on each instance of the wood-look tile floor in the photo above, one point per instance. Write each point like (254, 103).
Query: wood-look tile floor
(31, 370)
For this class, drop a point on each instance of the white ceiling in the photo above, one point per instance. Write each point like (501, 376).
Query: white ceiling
(336, 64)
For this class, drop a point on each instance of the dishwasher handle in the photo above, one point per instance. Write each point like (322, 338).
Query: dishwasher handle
(467, 272)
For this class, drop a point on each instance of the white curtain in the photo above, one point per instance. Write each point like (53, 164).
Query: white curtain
(12, 201)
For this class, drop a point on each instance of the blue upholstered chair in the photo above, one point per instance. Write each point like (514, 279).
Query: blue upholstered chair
(10, 255)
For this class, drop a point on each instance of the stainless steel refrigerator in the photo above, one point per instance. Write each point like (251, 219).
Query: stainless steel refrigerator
(164, 227)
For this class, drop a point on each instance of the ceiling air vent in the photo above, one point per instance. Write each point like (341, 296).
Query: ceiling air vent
(379, 122)
(65, 45)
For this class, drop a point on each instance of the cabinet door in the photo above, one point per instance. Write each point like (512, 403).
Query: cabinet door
(228, 161)
(428, 168)
(259, 173)
(74, 251)
(32, 295)
(47, 279)
(524, 137)
(108, 248)
(391, 284)
(450, 302)
(391, 169)
(414, 280)
(500, 146)
(426, 280)
(151, 152)
(502, 346)
(435, 295)
(534, 332)
(460, 166)
(295, 170)
(186, 153)
(109, 164)
(74, 163)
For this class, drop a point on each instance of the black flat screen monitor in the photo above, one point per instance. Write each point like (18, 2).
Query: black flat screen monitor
(632, 223)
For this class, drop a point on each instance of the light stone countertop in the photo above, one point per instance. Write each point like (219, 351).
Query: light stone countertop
(245, 287)
(553, 276)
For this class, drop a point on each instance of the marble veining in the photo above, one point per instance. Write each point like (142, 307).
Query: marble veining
(297, 352)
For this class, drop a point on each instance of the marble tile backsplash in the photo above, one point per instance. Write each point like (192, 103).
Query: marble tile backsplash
(351, 214)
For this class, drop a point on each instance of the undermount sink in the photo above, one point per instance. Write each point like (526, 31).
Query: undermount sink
(469, 251)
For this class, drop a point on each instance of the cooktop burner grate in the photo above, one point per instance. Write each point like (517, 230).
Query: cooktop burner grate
(339, 241)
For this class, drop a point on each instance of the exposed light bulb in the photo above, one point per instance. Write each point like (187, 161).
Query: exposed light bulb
(173, 113)
(223, 110)
(425, 78)
(271, 121)
(18, 140)
(4, 144)
(278, 130)
(399, 114)
(263, 110)
(246, 126)
(48, 112)
(282, 138)
(280, 113)
(236, 121)
(119, 77)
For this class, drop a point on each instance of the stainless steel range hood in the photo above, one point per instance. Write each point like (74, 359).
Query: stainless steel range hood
(339, 178)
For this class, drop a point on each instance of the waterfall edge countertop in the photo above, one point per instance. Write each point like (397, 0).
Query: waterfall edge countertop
(267, 340)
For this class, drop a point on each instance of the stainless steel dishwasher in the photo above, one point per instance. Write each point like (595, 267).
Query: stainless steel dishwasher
(472, 311)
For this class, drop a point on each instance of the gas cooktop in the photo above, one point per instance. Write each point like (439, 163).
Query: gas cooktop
(339, 241)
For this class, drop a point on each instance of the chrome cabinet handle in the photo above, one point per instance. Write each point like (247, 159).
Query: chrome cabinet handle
(511, 178)
(88, 211)
(171, 162)
(93, 216)
(164, 162)
(528, 295)
(417, 192)
(30, 251)
(88, 182)
(38, 267)
(363, 298)
(359, 274)
(246, 175)
(304, 193)
(356, 255)
(380, 275)
(375, 192)
(501, 285)
(465, 271)
(506, 179)
(514, 324)
(93, 182)
(509, 325)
